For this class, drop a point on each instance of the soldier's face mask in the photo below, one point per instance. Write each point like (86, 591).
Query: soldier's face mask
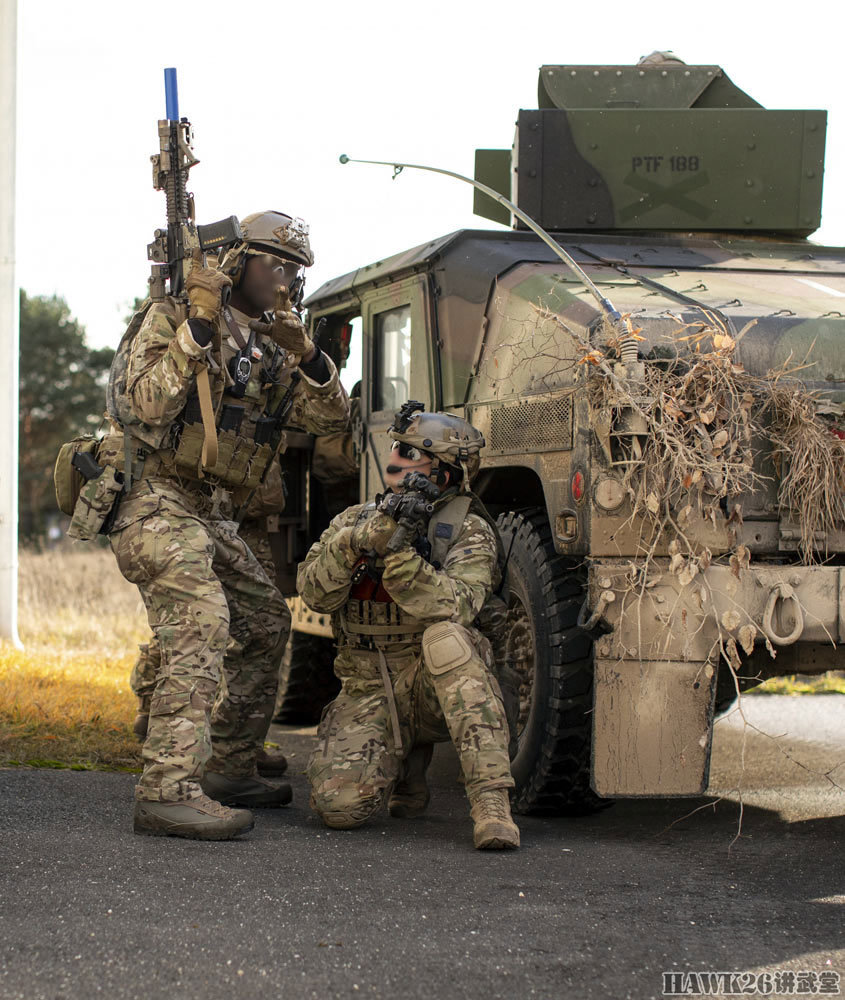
(264, 273)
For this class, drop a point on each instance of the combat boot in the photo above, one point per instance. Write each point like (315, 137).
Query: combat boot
(140, 726)
(271, 763)
(199, 819)
(410, 796)
(252, 791)
(494, 830)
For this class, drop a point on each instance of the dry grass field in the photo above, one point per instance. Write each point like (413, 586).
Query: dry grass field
(65, 699)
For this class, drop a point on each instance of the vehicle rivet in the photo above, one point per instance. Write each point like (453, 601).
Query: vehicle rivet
(572, 72)
(664, 73)
(811, 173)
(747, 219)
(749, 183)
(595, 72)
(752, 145)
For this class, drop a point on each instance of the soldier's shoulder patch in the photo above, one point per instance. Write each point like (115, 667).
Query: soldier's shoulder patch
(443, 530)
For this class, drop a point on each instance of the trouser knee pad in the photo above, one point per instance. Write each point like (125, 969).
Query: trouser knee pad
(445, 646)
(345, 808)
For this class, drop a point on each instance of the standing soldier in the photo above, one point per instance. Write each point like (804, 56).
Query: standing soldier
(413, 668)
(203, 400)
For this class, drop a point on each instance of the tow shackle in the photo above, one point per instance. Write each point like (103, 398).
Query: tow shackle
(783, 592)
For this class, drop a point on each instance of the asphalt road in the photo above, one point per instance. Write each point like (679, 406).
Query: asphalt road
(593, 907)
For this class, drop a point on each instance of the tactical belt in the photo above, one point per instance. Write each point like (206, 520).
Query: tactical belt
(366, 636)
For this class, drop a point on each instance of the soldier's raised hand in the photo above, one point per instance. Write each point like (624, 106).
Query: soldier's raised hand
(287, 329)
(205, 286)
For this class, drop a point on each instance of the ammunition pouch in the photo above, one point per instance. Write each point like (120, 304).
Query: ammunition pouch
(244, 448)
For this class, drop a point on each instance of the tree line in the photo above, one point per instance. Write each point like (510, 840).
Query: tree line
(62, 394)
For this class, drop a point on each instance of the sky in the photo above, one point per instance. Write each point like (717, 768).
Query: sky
(276, 91)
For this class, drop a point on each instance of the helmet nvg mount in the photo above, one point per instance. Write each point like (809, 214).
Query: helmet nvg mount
(450, 440)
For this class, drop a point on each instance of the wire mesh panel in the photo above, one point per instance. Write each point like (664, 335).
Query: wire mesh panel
(545, 426)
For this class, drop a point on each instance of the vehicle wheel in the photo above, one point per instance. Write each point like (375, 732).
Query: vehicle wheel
(306, 680)
(554, 661)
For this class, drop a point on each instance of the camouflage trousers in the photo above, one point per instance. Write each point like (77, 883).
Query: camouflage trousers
(358, 755)
(145, 672)
(219, 623)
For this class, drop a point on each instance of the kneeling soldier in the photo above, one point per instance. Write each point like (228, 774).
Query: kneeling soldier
(413, 668)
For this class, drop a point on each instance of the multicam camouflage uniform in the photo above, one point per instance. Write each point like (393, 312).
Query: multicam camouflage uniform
(415, 628)
(145, 672)
(216, 613)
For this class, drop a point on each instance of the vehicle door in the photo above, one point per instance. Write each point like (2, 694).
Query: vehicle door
(398, 365)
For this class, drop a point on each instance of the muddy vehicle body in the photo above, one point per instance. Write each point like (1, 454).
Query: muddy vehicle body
(686, 203)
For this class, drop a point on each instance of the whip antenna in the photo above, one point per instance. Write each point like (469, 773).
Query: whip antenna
(605, 305)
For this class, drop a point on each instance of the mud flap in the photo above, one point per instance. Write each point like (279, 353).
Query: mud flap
(652, 728)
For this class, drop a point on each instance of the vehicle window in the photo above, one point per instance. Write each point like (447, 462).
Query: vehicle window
(350, 374)
(391, 358)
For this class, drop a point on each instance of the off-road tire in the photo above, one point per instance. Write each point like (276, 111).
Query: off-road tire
(552, 764)
(306, 680)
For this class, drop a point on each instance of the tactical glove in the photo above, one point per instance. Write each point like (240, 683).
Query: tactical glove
(374, 534)
(287, 329)
(205, 291)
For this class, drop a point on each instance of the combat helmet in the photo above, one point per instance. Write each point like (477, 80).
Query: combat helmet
(269, 233)
(450, 441)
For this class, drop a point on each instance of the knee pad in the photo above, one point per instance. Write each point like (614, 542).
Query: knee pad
(445, 646)
(345, 807)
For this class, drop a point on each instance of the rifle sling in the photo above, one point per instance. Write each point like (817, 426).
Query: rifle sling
(208, 458)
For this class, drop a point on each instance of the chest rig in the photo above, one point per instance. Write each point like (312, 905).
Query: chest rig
(371, 619)
(233, 441)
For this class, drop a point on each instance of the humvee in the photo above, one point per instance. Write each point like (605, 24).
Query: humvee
(680, 196)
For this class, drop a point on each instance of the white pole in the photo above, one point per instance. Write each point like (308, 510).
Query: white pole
(8, 329)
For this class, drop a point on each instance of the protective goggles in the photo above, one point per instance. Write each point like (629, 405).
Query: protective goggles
(284, 271)
(408, 451)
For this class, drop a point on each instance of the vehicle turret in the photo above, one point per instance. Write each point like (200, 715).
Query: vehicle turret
(657, 146)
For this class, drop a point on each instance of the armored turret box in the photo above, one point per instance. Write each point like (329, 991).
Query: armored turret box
(658, 146)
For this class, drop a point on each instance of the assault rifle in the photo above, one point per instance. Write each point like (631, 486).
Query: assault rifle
(172, 249)
(411, 509)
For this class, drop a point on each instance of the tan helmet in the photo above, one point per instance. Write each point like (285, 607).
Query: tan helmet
(269, 232)
(447, 438)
